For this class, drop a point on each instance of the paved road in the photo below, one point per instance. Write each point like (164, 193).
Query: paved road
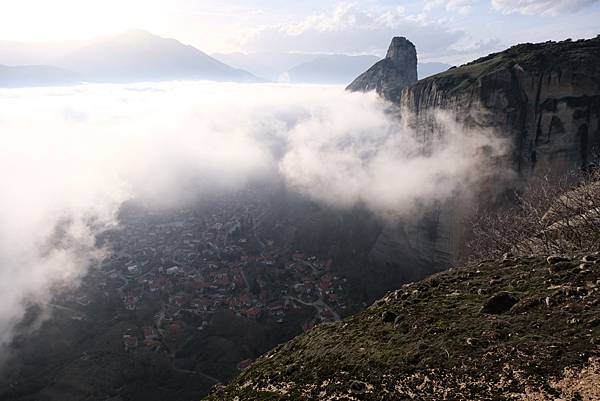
(319, 305)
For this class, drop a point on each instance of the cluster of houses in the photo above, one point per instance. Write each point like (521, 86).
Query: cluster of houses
(195, 264)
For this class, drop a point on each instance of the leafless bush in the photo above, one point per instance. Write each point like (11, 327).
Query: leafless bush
(548, 216)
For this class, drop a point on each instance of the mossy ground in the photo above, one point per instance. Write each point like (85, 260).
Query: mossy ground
(430, 341)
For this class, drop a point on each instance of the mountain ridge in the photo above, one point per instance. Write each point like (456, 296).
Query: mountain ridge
(132, 56)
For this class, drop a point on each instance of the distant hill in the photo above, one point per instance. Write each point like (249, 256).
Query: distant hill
(311, 68)
(334, 69)
(270, 66)
(35, 75)
(428, 69)
(141, 56)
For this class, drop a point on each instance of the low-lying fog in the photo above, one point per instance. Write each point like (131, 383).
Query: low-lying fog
(71, 156)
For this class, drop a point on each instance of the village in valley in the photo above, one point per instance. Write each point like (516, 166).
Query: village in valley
(173, 271)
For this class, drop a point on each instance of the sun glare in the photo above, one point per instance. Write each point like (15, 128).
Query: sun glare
(71, 19)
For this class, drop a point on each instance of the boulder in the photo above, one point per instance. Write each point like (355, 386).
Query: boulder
(499, 304)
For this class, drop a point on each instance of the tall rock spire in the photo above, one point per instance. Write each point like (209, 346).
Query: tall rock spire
(404, 55)
(391, 75)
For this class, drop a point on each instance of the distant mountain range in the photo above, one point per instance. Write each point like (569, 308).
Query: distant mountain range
(312, 68)
(141, 56)
(269, 66)
(136, 56)
(330, 69)
(128, 57)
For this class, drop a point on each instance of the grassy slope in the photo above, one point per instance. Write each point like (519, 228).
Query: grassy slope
(430, 341)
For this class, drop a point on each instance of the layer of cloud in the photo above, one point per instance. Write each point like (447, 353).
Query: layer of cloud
(383, 165)
(541, 7)
(66, 172)
(352, 29)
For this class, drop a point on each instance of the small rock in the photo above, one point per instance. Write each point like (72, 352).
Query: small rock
(472, 341)
(499, 304)
(482, 291)
(358, 387)
(388, 317)
(554, 259)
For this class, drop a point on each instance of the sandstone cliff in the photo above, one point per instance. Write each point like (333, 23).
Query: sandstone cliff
(544, 97)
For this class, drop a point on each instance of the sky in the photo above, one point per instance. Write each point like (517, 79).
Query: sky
(453, 31)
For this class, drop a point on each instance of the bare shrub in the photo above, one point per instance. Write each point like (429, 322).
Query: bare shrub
(547, 216)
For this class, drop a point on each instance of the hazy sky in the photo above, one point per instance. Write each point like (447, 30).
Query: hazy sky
(452, 30)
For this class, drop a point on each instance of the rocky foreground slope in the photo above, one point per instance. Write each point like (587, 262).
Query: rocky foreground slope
(525, 328)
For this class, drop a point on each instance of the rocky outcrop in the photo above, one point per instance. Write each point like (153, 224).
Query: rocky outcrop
(392, 74)
(524, 328)
(431, 341)
(545, 98)
(413, 244)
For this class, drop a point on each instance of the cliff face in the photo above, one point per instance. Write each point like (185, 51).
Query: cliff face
(392, 74)
(544, 97)
(403, 252)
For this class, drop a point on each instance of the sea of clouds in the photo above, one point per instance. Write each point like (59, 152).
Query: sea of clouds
(70, 156)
